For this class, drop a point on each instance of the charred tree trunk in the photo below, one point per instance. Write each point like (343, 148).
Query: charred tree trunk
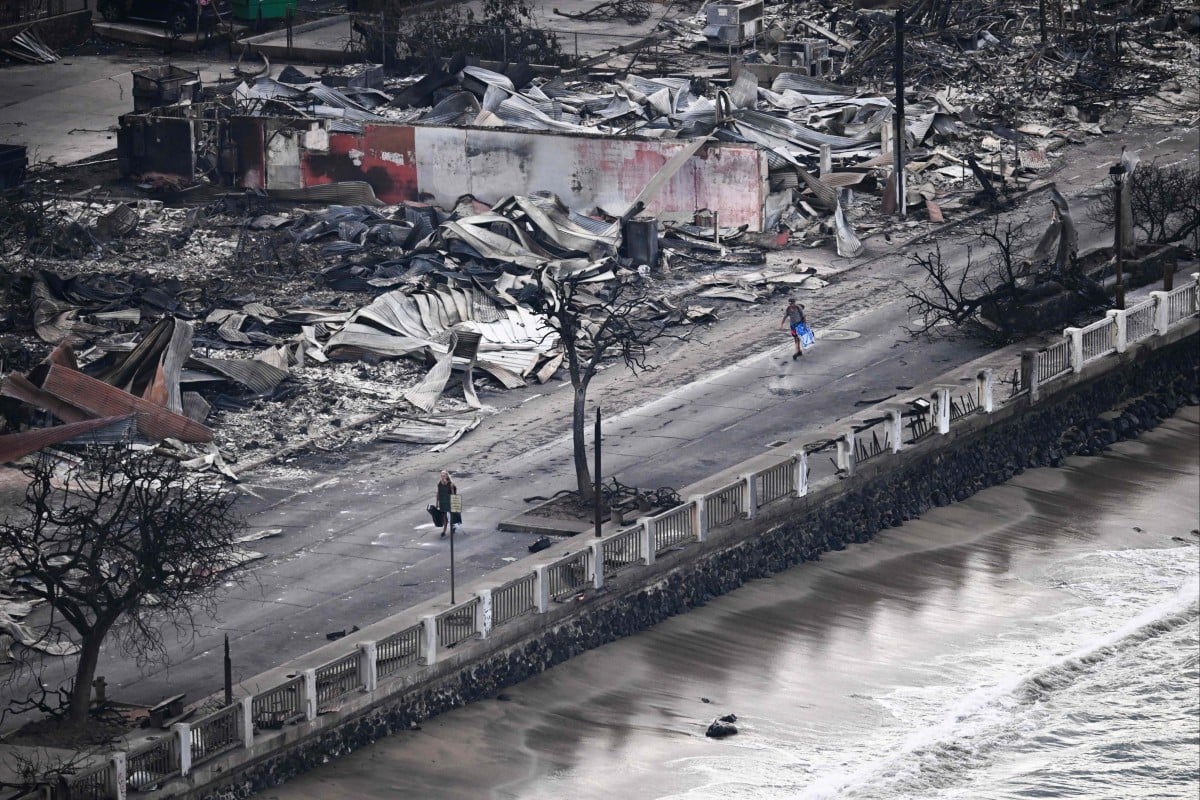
(85, 673)
(583, 477)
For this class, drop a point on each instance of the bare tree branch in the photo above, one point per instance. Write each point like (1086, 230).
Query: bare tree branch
(617, 323)
(123, 543)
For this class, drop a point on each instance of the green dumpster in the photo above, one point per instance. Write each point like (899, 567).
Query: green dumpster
(262, 9)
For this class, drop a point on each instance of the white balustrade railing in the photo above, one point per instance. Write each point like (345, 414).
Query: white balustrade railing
(672, 527)
(94, 783)
(339, 678)
(398, 651)
(152, 763)
(458, 624)
(279, 705)
(621, 550)
(1139, 321)
(775, 482)
(212, 735)
(1182, 303)
(569, 575)
(1054, 361)
(1098, 340)
(514, 598)
(725, 505)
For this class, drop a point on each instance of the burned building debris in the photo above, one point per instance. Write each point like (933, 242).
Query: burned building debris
(350, 241)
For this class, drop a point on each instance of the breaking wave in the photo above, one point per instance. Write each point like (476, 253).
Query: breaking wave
(972, 732)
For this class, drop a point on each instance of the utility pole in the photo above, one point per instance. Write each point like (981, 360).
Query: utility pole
(228, 674)
(596, 489)
(1116, 173)
(898, 140)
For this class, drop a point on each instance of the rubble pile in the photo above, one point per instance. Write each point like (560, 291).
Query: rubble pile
(995, 91)
(190, 328)
(221, 334)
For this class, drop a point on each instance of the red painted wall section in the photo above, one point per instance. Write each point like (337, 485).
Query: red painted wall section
(587, 172)
(383, 156)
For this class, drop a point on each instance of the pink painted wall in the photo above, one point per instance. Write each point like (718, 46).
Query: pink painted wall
(589, 173)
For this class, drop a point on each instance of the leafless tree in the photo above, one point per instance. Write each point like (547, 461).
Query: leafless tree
(1164, 200)
(614, 323)
(121, 542)
(985, 297)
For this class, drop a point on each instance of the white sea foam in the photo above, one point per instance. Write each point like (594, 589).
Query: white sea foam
(972, 728)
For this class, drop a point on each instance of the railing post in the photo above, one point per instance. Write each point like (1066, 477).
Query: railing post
(596, 563)
(120, 775)
(1162, 312)
(1120, 326)
(310, 694)
(429, 631)
(367, 665)
(801, 458)
(1029, 373)
(986, 383)
(646, 532)
(1196, 293)
(541, 588)
(699, 517)
(485, 613)
(750, 493)
(941, 399)
(896, 429)
(845, 452)
(247, 721)
(183, 741)
(1075, 351)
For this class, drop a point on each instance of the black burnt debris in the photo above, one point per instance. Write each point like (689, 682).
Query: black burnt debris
(244, 322)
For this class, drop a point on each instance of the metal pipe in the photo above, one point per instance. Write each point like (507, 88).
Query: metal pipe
(596, 505)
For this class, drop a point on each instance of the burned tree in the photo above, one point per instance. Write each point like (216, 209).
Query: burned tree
(613, 323)
(1164, 201)
(123, 543)
(988, 297)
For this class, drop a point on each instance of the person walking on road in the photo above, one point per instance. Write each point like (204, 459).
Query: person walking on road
(793, 318)
(445, 489)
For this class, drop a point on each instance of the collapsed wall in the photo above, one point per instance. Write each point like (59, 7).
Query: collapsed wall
(1082, 420)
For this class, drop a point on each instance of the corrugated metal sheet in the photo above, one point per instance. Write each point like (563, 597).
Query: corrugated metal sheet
(99, 398)
(806, 85)
(357, 193)
(257, 376)
(16, 445)
(20, 388)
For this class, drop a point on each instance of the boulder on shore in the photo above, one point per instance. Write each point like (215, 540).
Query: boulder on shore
(720, 728)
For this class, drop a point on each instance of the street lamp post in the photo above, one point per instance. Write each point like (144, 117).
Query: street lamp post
(597, 505)
(1116, 174)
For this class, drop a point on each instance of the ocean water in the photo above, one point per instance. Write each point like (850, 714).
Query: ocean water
(1041, 639)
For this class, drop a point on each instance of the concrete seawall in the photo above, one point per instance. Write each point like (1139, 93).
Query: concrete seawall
(1108, 400)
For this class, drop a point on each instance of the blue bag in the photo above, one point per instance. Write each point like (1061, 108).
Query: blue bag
(807, 337)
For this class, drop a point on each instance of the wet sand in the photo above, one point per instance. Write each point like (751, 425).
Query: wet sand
(828, 665)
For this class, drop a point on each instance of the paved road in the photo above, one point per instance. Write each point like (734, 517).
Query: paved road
(357, 546)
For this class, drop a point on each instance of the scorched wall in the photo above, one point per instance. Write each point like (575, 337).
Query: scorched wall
(440, 164)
